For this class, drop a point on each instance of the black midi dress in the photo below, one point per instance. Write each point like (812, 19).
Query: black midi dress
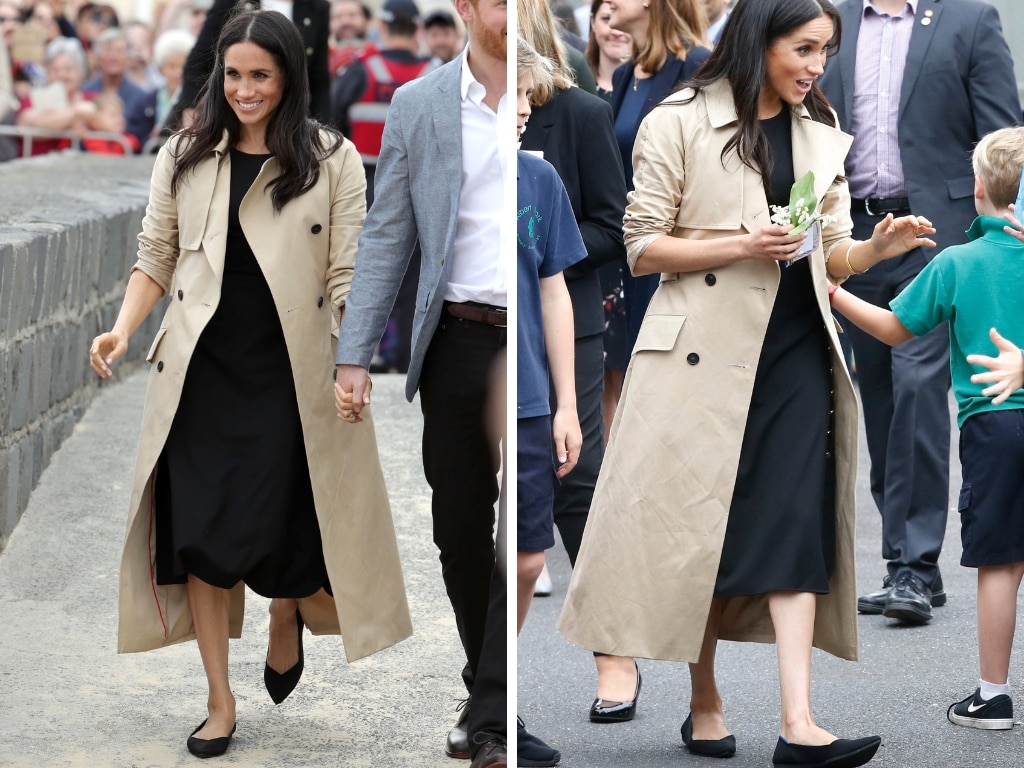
(233, 497)
(781, 532)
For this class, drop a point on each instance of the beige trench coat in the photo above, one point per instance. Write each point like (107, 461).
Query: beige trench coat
(643, 583)
(307, 254)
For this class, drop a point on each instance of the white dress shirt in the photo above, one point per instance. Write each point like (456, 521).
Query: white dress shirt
(479, 268)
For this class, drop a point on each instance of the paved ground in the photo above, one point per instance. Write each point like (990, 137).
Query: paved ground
(68, 699)
(900, 688)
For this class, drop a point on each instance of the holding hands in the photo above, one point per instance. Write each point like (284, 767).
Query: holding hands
(1006, 372)
(352, 387)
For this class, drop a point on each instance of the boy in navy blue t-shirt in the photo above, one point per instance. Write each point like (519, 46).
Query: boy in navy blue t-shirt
(548, 241)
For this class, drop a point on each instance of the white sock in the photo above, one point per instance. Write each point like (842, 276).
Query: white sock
(991, 690)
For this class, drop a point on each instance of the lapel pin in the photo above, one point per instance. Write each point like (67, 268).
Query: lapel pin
(929, 12)
(926, 21)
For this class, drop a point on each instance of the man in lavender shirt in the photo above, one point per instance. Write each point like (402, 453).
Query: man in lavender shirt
(917, 83)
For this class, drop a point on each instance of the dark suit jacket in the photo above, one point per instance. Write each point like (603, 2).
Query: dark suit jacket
(574, 131)
(312, 18)
(663, 83)
(958, 85)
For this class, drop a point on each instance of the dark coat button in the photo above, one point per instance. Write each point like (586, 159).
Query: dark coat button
(320, 302)
(315, 229)
(710, 279)
(693, 358)
(160, 366)
(181, 295)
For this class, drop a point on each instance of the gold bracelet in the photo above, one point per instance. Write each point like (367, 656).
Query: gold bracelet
(849, 266)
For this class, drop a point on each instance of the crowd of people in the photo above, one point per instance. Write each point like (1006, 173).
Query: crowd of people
(107, 84)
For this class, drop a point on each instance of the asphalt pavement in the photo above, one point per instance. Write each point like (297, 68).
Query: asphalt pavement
(67, 699)
(900, 688)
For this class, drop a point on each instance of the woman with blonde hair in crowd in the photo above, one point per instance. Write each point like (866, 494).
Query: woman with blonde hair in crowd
(669, 46)
(574, 131)
(607, 48)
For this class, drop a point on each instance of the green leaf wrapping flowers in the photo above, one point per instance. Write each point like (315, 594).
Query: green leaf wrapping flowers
(801, 213)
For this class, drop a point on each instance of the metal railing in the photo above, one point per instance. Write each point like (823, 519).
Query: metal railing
(27, 135)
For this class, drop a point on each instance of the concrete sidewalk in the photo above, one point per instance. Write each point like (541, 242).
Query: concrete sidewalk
(906, 678)
(68, 699)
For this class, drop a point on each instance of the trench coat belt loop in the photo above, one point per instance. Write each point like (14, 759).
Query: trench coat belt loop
(879, 206)
(478, 313)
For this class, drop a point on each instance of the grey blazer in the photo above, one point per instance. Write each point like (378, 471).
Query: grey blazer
(958, 85)
(419, 178)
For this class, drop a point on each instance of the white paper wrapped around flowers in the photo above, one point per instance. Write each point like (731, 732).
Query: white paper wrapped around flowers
(802, 214)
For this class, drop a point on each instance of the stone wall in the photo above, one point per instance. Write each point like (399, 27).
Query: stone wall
(68, 227)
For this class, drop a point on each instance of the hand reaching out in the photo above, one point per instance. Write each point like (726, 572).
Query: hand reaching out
(105, 349)
(1006, 372)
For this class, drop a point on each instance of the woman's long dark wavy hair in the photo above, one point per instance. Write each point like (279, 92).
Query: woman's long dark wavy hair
(294, 139)
(739, 57)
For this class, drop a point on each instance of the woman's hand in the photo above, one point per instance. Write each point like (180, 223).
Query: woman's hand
(1006, 370)
(105, 349)
(894, 237)
(773, 243)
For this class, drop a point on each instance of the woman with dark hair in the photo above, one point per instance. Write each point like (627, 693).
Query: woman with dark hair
(730, 502)
(244, 477)
(607, 48)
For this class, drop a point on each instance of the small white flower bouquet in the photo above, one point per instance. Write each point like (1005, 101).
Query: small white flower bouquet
(802, 214)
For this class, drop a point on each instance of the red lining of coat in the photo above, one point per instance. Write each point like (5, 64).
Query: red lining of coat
(149, 547)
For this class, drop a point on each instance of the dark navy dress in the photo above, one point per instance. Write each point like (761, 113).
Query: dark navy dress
(233, 495)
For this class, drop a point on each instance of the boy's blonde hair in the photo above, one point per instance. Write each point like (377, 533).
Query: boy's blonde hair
(528, 61)
(998, 159)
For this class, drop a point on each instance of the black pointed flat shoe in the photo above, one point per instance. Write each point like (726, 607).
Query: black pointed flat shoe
(841, 753)
(280, 684)
(602, 711)
(724, 747)
(209, 747)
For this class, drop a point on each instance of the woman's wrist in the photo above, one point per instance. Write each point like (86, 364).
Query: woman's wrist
(849, 263)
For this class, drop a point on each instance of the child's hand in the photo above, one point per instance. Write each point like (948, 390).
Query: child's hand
(568, 437)
(1006, 370)
(1015, 228)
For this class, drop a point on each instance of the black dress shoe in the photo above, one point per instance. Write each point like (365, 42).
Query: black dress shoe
(724, 747)
(492, 754)
(841, 753)
(209, 747)
(910, 600)
(602, 711)
(457, 743)
(873, 603)
(280, 684)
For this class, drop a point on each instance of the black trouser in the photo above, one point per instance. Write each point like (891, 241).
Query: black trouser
(575, 491)
(904, 392)
(461, 461)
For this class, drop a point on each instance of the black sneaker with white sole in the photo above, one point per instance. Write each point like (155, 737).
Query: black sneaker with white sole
(996, 714)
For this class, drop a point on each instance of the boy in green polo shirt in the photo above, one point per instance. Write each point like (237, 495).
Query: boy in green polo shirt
(975, 287)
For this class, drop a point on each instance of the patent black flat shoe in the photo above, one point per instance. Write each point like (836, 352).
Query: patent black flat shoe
(280, 684)
(841, 753)
(602, 711)
(209, 747)
(724, 747)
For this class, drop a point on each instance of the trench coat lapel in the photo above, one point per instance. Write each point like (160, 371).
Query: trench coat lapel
(209, 192)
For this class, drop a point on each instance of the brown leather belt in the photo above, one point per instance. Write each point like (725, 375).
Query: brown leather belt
(478, 313)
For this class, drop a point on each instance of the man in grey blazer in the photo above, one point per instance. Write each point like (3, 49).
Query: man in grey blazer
(917, 83)
(440, 179)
